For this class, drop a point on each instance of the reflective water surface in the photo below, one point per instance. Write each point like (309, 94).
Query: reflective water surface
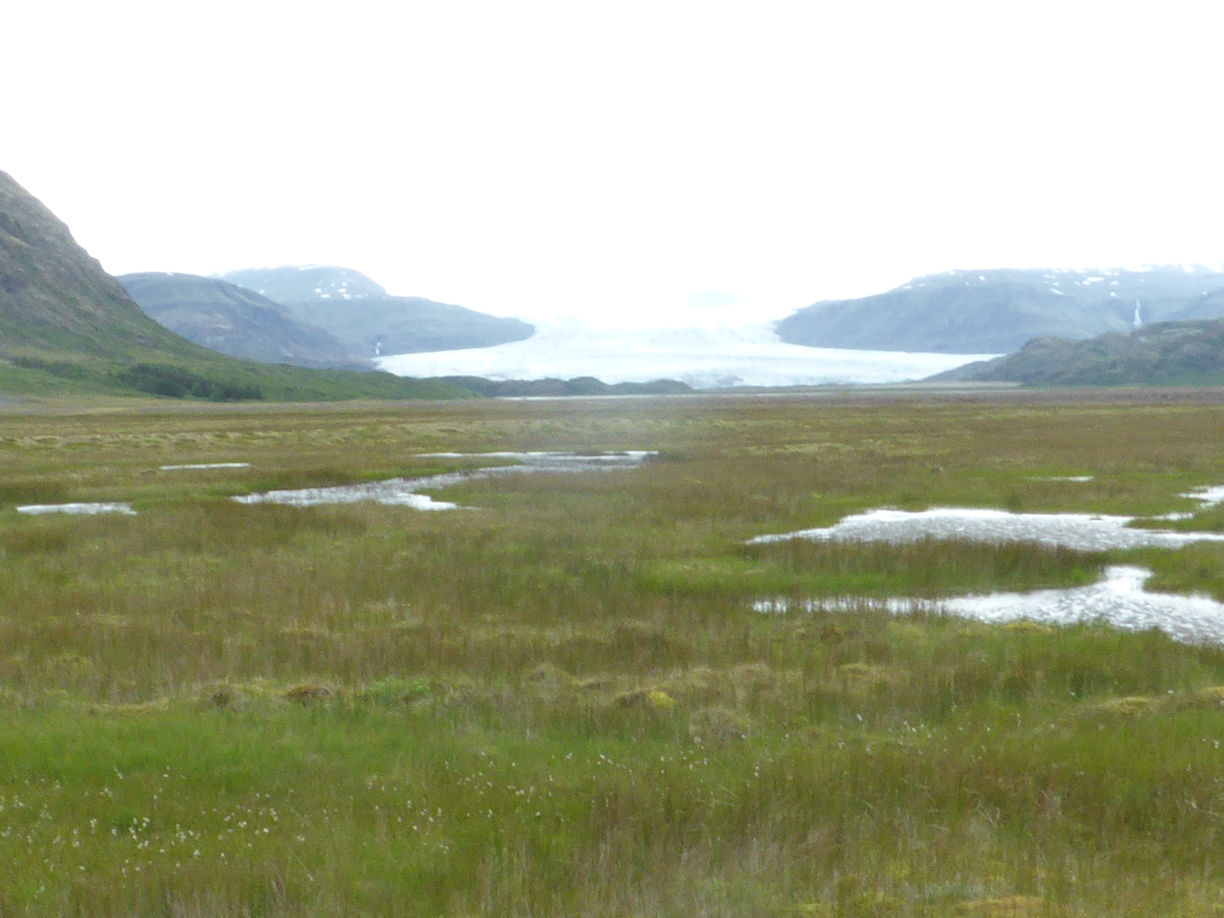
(407, 492)
(1080, 531)
(87, 509)
(1119, 598)
(205, 465)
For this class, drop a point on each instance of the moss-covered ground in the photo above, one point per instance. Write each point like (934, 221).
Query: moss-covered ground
(558, 700)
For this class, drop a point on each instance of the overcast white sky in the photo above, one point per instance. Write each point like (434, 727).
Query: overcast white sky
(614, 159)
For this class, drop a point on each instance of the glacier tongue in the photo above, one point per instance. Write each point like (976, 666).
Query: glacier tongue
(748, 355)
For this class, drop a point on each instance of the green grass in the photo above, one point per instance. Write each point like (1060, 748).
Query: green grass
(559, 701)
(200, 375)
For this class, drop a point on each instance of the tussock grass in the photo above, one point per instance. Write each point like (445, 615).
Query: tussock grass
(559, 701)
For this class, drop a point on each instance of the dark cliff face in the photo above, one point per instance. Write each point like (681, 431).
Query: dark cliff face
(998, 311)
(232, 320)
(358, 312)
(54, 295)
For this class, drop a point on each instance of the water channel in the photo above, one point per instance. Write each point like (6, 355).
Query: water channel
(409, 492)
(403, 492)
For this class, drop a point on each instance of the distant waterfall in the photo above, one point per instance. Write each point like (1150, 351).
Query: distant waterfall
(1137, 320)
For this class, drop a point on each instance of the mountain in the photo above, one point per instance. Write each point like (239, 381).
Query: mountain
(997, 311)
(367, 320)
(54, 296)
(1189, 352)
(67, 327)
(233, 320)
(1208, 306)
(307, 284)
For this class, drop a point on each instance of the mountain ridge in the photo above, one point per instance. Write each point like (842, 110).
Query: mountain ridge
(1185, 352)
(53, 294)
(69, 328)
(367, 320)
(235, 321)
(999, 310)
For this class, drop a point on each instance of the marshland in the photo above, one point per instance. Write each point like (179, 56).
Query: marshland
(559, 697)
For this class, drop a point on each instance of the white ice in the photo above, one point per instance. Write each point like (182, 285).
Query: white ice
(701, 357)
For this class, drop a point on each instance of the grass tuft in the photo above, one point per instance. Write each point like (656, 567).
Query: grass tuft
(559, 700)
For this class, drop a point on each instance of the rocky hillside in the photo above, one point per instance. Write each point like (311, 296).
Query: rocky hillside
(997, 311)
(67, 327)
(1166, 353)
(233, 320)
(54, 296)
(367, 320)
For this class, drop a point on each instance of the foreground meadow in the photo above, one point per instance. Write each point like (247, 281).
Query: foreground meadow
(559, 701)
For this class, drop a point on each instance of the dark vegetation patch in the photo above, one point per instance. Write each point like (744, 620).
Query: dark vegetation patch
(581, 385)
(176, 382)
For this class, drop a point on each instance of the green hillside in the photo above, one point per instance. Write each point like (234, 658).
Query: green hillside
(67, 327)
(233, 320)
(1165, 353)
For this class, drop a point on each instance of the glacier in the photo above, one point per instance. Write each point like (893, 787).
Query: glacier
(702, 357)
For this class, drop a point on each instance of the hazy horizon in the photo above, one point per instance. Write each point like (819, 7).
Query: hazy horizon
(549, 159)
(736, 311)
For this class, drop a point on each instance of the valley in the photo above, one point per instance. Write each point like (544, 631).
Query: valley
(561, 697)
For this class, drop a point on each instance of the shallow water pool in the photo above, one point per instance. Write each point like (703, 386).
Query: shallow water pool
(1119, 598)
(1079, 531)
(85, 509)
(407, 492)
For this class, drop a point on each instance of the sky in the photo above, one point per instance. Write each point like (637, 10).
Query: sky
(628, 162)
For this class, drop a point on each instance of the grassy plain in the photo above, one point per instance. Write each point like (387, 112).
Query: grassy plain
(559, 701)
